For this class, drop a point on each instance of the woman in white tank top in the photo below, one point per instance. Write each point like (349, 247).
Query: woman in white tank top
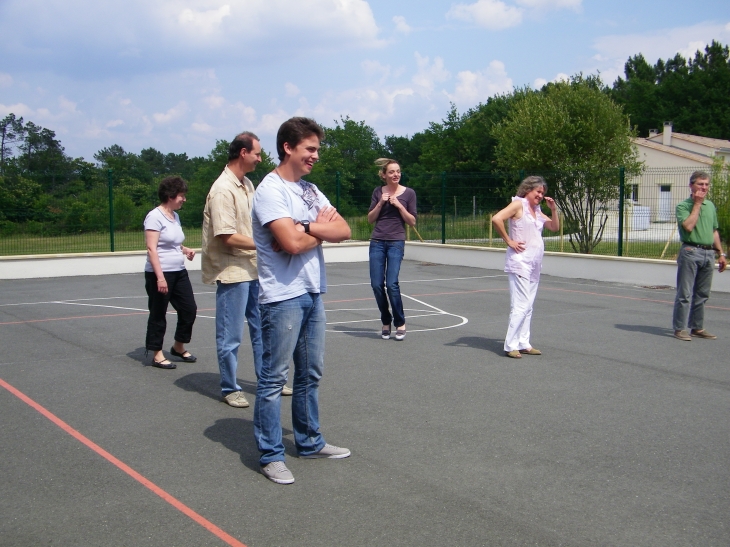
(524, 258)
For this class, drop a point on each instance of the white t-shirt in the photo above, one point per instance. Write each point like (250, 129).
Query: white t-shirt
(283, 276)
(169, 246)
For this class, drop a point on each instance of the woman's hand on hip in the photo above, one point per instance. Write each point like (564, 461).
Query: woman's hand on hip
(517, 246)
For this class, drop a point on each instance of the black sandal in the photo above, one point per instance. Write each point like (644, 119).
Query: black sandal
(189, 358)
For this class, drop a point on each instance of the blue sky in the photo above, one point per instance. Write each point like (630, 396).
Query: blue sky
(179, 74)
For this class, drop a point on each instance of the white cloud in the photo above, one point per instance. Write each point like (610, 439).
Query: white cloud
(114, 123)
(205, 22)
(291, 90)
(214, 101)
(6, 80)
(19, 109)
(475, 87)
(401, 25)
(615, 50)
(172, 114)
(429, 74)
(136, 36)
(550, 4)
(202, 127)
(692, 48)
(559, 77)
(489, 14)
(67, 106)
(375, 68)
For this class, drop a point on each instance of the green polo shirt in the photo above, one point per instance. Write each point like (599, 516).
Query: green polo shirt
(704, 232)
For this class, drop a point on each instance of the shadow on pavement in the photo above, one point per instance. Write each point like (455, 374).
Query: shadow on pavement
(208, 384)
(479, 342)
(646, 329)
(236, 434)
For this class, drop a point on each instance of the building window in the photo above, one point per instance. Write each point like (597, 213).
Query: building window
(635, 193)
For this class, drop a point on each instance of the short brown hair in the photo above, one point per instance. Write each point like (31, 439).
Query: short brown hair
(170, 187)
(241, 141)
(295, 130)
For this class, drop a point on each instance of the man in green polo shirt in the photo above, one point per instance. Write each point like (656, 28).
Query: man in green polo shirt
(697, 221)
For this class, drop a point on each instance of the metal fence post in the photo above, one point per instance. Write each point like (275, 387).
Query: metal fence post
(622, 189)
(111, 209)
(337, 190)
(443, 207)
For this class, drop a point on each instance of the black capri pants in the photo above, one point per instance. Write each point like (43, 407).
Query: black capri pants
(180, 295)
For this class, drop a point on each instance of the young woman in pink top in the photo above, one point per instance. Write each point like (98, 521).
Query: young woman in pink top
(524, 258)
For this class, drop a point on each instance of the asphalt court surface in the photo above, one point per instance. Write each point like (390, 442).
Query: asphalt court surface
(617, 435)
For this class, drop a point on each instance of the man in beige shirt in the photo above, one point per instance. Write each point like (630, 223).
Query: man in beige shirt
(229, 261)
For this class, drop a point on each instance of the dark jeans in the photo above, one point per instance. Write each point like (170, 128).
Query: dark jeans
(180, 295)
(694, 280)
(385, 259)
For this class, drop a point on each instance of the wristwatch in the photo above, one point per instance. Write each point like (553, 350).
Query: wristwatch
(305, 223)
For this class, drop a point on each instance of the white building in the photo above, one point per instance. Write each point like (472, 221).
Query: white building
(669, 159)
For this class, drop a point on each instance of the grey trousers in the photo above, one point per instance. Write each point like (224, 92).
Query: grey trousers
(694, 280)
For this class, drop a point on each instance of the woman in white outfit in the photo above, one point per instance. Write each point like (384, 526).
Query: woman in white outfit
(524, 258)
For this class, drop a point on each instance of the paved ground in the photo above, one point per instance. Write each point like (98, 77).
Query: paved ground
(617, 435)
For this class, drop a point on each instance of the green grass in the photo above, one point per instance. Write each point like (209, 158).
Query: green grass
(466, 231)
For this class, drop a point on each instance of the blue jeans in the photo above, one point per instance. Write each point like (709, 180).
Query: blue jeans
(385, 259)
(694, 280)
(291, 328)
(232, 302)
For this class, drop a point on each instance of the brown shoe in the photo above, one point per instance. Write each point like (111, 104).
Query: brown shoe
(531, 351)
(514, 354)
(702, 333)
(682, 335)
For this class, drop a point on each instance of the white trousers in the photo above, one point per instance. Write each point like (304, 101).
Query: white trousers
(522, 294)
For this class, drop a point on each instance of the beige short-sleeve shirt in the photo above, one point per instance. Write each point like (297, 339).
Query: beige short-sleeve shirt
(228, 211)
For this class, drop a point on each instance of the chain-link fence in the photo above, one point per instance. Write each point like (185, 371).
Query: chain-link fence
(606, 213)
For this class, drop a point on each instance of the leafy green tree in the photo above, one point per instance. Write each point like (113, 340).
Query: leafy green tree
(11, 132)
(576, 136)
(18, 197)
(406, 150)
(351, 149)
(691, 93)
(720, 196)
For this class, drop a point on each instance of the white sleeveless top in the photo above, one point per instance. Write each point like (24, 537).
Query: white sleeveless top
(528, 263)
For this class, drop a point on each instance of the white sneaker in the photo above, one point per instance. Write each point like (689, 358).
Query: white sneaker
(277, 472)
(286, 391)
(330, 451)
(400, 334)
(236, 399)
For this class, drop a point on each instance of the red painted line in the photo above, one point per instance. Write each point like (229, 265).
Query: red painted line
(629, 297)
(73, 317)
(230, 540)
(84, 317)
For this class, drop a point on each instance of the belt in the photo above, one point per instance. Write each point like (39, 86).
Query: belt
(705, 247)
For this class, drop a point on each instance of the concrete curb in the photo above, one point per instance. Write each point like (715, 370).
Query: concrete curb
(635, 271)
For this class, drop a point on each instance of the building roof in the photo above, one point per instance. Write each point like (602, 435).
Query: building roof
(704, 141)
(686, 154)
